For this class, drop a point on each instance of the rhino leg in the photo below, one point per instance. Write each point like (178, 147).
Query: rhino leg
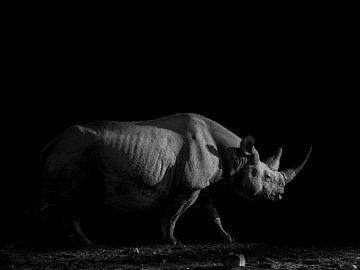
(215, 218)
(72, 228)
(177, 206)
(80, 233)
(70, 215)
(227, 237)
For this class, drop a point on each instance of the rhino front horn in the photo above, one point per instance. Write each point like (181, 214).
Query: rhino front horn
(291, 173)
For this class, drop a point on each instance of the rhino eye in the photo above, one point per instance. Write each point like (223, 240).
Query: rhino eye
(267, 177)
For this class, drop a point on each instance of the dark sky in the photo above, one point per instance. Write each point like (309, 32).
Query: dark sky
(288, 92)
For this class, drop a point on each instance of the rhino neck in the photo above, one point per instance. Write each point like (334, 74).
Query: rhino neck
(224, 139)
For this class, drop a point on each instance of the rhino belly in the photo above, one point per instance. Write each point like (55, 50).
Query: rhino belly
(132, 193)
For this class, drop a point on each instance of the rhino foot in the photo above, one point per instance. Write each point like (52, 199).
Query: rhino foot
(77, 241)
(171, 241)
(87, 242)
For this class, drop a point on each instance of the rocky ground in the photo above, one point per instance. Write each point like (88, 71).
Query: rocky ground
(202, 256)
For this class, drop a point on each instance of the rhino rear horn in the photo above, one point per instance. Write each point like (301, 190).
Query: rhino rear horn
(291, 173)
(255, 156)
(274, 161)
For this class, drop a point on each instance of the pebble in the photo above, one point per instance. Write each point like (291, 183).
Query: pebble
(234, 261)
(135, 252)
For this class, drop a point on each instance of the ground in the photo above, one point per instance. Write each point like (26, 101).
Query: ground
(203, 256)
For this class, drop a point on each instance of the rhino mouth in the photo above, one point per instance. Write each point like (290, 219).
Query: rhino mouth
(273, 196)
(276, 197)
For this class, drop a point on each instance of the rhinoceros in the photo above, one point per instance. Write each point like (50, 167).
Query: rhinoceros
(172, 159)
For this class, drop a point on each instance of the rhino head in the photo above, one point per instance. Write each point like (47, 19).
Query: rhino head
(255, 179)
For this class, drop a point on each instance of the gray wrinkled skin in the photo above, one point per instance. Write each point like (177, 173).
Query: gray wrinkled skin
(137, 165)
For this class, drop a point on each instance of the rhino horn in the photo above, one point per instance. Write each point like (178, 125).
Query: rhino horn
(274, 161)
(291, 173)
(255, 155)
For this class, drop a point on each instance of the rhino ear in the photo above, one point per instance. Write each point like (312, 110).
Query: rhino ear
(246, 145)
(237, 155)
(236, 158)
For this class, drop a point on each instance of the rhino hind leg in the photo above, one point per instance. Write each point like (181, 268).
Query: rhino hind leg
(70, 217)
(85, 199)
(176, 207)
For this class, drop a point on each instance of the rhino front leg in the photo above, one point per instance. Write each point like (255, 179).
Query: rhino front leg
(80, 233)
(71, 223)
(177, 206)
(227, 237)
(215, 218)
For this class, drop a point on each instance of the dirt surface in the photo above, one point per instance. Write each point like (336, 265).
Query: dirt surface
(204, 256)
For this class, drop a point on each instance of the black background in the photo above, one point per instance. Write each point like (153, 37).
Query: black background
(286, 85)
